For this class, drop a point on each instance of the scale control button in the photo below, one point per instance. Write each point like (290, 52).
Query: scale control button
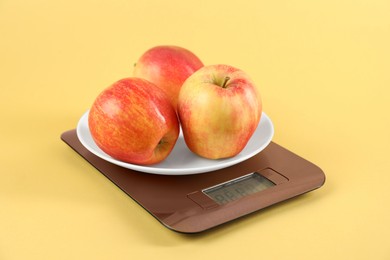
(273, 176)
(202, 200)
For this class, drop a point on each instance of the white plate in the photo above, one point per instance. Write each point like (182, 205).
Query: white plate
(182, 161)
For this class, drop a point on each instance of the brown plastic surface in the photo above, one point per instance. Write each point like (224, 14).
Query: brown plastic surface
(171, 199)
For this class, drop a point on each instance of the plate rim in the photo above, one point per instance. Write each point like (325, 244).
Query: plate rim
(170, 171)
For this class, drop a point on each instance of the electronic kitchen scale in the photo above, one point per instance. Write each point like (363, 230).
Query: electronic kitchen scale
(197, 202)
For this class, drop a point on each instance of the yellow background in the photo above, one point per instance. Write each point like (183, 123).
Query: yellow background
(323, 67)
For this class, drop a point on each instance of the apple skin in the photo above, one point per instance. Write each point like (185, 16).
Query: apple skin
(217, 122)
(133, 121)
(167, 67)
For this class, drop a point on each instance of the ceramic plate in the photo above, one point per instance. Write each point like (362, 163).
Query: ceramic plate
(181, 160)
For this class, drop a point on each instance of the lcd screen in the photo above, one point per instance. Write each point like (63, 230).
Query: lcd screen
(238, 188)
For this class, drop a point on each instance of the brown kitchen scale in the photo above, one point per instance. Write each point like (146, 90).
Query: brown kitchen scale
(198, 202)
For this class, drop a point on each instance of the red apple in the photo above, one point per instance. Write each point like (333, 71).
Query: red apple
(134, 121)
(167, 67)
(219, 108)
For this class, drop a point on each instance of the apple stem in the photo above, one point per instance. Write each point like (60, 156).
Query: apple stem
(225, 81)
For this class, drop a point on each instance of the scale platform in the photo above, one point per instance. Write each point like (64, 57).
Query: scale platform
(198, 202)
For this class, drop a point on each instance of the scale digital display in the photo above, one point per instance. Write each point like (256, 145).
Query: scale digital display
(238, 188)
